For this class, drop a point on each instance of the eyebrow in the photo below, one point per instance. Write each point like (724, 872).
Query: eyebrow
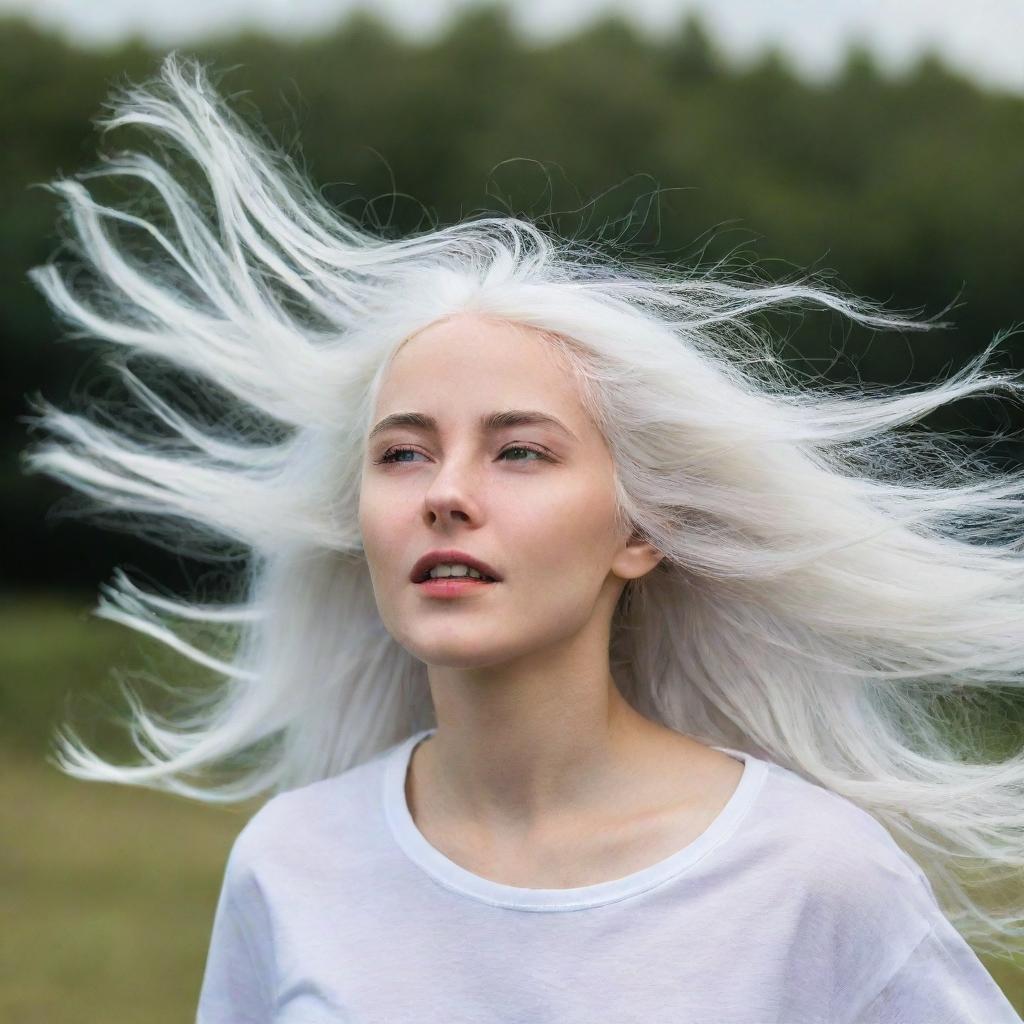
(489, 422)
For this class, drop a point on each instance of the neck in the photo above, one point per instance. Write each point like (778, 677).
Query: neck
(548, 754)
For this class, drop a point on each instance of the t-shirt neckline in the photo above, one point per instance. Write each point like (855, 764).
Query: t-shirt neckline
(458, 879)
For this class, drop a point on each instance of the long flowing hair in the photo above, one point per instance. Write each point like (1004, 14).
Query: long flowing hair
(830, 588)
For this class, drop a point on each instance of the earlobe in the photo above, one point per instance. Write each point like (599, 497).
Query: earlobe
(653, 558)
(638, 558)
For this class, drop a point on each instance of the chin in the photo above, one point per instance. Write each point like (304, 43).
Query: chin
(467, 652)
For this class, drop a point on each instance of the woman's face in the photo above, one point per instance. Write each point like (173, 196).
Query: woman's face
(542, 518)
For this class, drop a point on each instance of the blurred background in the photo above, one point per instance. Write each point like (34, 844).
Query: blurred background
(885, 150)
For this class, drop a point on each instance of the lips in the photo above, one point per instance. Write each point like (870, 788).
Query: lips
(457, 579)
(450, 556)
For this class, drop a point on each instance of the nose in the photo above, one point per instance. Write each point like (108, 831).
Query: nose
(451, 494)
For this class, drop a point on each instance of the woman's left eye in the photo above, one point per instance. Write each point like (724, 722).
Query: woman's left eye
(389, 455)
(523, 448)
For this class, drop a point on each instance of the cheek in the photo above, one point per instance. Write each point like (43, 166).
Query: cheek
(567, 531)
(377, 524)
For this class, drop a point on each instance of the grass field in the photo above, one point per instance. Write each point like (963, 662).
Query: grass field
(108, 892)
(108, 898)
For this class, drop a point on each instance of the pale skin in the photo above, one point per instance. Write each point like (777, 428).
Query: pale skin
(540, 773)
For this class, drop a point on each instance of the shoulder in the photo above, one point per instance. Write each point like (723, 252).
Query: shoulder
(292, 824)
(862, 896)
(828, 828)
(848, 868)
(857, 903)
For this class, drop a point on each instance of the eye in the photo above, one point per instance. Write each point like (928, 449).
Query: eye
(390, 455)
(524, 448)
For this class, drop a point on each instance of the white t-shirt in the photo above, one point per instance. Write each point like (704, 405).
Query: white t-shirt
(793, 907)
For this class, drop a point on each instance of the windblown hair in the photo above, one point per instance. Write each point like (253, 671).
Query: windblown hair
(826, 581)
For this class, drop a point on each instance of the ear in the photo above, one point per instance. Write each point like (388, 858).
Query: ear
(636, 559)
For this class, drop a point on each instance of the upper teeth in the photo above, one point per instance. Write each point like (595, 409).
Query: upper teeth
(458, 569)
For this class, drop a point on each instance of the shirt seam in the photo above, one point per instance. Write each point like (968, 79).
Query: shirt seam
(262, 911)
(763, 768)
(891, 977)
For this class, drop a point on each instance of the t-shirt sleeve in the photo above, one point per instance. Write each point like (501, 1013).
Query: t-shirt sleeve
(942, 981)
(237, 985)
(895, 956)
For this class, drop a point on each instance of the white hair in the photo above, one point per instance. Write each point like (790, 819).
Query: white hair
(826, 583)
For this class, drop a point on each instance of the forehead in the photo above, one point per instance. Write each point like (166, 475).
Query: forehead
(493, 362)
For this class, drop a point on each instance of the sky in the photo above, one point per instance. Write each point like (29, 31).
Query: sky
(981, 38)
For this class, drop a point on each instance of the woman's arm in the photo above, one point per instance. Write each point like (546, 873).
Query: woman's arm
(942, 981)
(237, 985)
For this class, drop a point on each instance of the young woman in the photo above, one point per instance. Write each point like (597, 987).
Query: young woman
(590, 663)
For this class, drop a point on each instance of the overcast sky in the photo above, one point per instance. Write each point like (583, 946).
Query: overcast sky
(984, 38)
